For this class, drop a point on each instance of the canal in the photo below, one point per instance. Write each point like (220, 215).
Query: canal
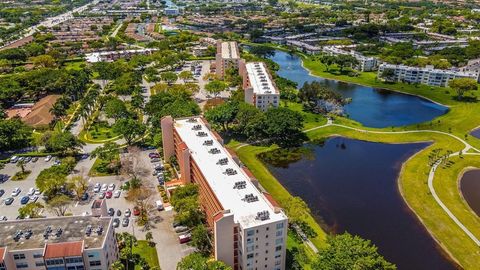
(371, 107)
(351, 185)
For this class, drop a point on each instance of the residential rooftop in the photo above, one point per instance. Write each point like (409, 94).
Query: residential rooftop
(72, 230)
(260, 79)
(230, 50)
(231, 184)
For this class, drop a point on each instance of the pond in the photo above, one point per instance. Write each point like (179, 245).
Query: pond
(371, 107)
(470, 187)
(351, 185)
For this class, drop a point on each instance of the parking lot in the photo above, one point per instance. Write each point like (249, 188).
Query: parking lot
(170, 251)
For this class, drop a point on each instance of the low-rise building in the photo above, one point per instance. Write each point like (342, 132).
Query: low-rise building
(228, 56)
(75, 242)
(364, 63)
(258, 85)
(427, 75)
(249, 228)
(110, 56)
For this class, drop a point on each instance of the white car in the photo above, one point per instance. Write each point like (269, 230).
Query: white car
(116, 194)
(128, 213)
(16, 191)
(31, 191)
(96, 188)
(111, 187)
(3, 218)
(48, 158)
(104, 187)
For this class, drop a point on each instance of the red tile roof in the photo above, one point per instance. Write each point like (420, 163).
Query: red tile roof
(271, 199)
(58, 250)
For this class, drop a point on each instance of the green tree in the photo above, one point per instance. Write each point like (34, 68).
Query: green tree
(59, 204)
(61, 142)
(201, 240)
(21, 165)
(215, 87)
(149, 237)
(116, 109)
(14, 134)
(109, 151)
(223, 114)
(31, 210)
(195, 261)
(284, 126)
(327, 60)
(350, 252)
(117, 265)
(462, 85)
(296, 209)
(129, 128)
(45, 61)
(79, 185)
(345, 60)
(169, 77)
(50, 180)
(185, 75)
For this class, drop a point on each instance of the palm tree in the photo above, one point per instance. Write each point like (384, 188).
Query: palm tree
(21, 165)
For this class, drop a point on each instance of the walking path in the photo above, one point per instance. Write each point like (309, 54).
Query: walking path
(431, 175)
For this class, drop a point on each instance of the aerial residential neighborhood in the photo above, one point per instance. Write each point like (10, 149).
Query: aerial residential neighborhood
(239, 135)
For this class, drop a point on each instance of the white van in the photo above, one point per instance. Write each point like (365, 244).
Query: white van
(159, 204)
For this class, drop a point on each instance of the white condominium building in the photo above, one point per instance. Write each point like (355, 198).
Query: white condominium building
(249, 228)
(228, 56)
(364, 63)
(427, 75)
(73, 243)
(260, 90)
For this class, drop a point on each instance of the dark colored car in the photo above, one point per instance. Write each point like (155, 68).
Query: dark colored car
(25, 200)
(84, 197)
(111, 212)
(2, 192)
(154, 155)
(116, 222)
(119, 213)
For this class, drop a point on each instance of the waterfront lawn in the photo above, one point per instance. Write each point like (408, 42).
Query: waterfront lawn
(310, 120)
(149, 253)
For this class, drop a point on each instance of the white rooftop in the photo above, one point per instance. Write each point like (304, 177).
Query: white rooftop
(230, 50)
(259, 79)
(221, 183)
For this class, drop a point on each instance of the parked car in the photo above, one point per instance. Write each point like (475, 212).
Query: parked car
(116, 222)
(27, 159)
(16, 191)
(153, 155)
(57, 162)
(111, 212)
(96, 188)
(84, 197)
(48, 158)
(108, 194)
(9, 201)
(102, 195)
(153, 160)
(119, 212)
(20, 159)
(111, 187)
(31, 191)
(34, 159)
(125, 222)
(136, 211)
(3, 218)
(181, 229)
(13, 159)
(117, 193)
(128, 213)
(2, 192)
(25, 200)
(34, 198)
(184, 238)
(37, 192)
(104, 187)
(3, 178)
(159, 205)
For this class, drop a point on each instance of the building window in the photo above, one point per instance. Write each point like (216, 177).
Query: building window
(279, 233)
(21, 265)
(250, 256)
(38, 264)
(38, 255)
(250, 232)
(19, 256)
(279, 241)
(95, 263)
(279, 226)
(278, 248)
(74, 260)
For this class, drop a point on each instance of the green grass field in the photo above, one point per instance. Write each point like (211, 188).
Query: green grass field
(149, 253)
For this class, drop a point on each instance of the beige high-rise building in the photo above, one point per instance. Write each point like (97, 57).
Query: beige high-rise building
(249, 227)
(228, 56)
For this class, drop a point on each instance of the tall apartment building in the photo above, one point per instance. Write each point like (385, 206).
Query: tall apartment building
(260, 90)
(69, 243)
(427, 75)
(228, 56)
(249, 228)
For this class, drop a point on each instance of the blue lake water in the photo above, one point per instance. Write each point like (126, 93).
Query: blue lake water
(351, 185)
(371, 107)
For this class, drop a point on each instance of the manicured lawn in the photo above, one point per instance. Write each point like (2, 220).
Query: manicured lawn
(149, 253)
(99, 168)
(99, 132)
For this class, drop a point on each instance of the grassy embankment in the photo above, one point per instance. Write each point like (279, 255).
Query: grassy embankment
(459, 121)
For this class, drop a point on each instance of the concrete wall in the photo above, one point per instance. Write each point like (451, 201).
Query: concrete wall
(223, 237)
(167, 137)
